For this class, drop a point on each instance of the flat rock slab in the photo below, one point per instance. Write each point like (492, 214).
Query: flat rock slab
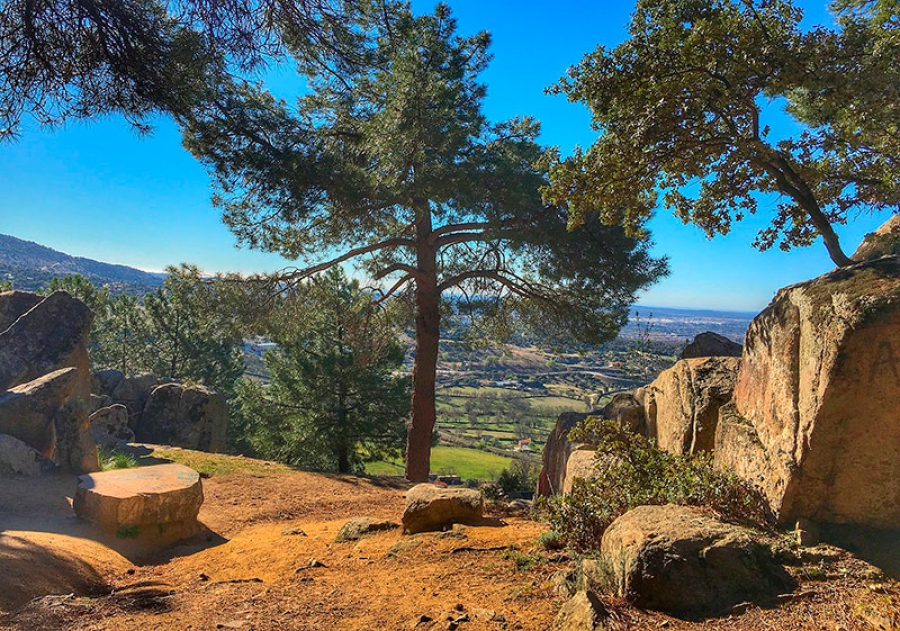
(160, 495)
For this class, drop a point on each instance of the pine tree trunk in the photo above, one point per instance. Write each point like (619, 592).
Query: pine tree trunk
(428, 334)
(418, 439)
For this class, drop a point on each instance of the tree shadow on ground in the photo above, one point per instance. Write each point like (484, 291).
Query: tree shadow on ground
(31, 569)
(878, 547)
(33, 507)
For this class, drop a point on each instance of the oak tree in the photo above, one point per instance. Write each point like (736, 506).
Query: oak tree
(392, 166)
(681, 108)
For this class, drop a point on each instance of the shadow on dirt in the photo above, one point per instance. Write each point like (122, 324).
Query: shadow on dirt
(880, 548)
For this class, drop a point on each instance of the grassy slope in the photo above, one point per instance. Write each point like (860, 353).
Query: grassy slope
(466, 463)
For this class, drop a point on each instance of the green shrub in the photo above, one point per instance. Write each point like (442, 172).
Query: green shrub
(115, 459)
(635, 473)
(551, 540)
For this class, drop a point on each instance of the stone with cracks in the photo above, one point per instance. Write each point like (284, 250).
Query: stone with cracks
(144, 499)
(816, 420)
(678, 560)
(109, 426)
(193, 417)
(51, 335)
(13, 304)
(430, 508)
(359, 527)
(19, 459)
(682, 404)
(48, 416)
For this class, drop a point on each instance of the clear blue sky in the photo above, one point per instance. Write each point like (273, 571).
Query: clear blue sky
(98, 190)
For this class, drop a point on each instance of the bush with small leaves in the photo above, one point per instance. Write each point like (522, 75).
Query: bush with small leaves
(636, 473)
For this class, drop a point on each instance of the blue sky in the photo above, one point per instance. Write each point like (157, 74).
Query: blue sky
(98, 190)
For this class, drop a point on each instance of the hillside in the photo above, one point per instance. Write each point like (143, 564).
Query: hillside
(30, 266)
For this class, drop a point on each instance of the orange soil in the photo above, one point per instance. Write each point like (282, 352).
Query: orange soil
(253, 571)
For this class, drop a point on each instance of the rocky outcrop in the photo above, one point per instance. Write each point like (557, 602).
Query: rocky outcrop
(193, 417)
(883, 242)
(430, 507)
(45, 378)
(19, 459)
(678, 560)
(109, 426)
(585, 464)
(105, 382)
(48, 415)
(711, 344)
(623, 408)
(152, 499)
(626, 411)
(133, 392)
(13, 304)
(815, 421)
(556, 453)
(51, 335)
(682, 404)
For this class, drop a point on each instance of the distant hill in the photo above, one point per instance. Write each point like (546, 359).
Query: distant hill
(31, 266)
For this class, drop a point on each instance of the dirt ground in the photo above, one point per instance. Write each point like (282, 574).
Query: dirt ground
(269, 562)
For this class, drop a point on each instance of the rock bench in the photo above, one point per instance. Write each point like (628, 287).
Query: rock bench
(141, 500)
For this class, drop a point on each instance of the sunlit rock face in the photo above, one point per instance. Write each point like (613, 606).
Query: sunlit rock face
(816, 421)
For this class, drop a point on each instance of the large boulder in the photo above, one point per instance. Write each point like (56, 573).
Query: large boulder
(556, 453)
(626, 411)
(19, 459)
(109, 426)
(48, 415)
(883, 242)
(678, 560)
(13, 304)
(133, 392)
(105, 382)
(141, 500)
(682, 404)
(51, 335)
(817, 422)
(430, 507)
(193, 417)
(585, 464)
(711, 344)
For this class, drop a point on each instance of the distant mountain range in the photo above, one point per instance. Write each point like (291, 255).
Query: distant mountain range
(31, 266)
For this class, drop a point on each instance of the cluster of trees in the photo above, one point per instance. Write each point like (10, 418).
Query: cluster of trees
(389, 164)
(334, 398)
(177, 332)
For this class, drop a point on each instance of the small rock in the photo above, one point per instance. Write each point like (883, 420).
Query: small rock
(419, 621)
(359, 527)
(292, 531)
(582, 612)
(315, 563)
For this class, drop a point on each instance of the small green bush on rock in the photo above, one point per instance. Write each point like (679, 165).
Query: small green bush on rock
(635, 473)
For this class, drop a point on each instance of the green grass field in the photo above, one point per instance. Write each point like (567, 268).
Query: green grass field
(466, 463)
